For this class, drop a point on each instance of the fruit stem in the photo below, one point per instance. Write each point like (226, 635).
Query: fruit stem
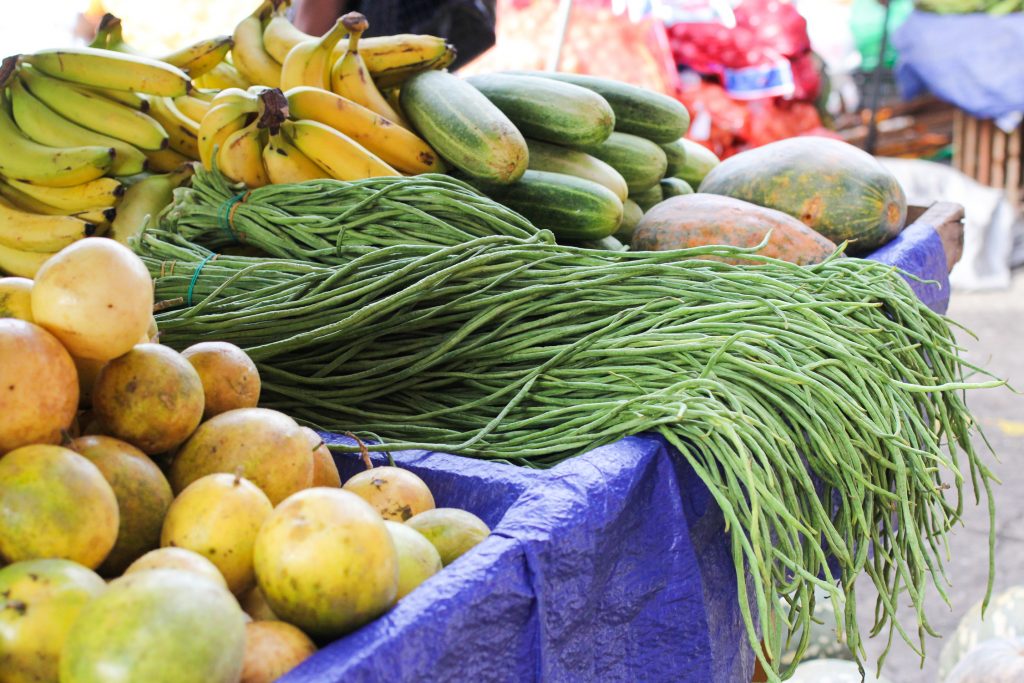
(364, 452)
(7, 69)
(273, 110)
(334, 36)
(356, 24)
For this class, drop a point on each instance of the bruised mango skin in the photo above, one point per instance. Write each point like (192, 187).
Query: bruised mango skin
(143, 496)
(325, 562)
(54, 503)
(39, 601)
(159, 626)
(266, 447)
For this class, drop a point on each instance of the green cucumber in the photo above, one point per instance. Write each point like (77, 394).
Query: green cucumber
(673, 187)
(698, 162)
(548, 157)
(638, 111)
(631, 216)
(544, 109)
(464, 127)
(675, 152)
(641, 162)
(574, 209)
(649, 197)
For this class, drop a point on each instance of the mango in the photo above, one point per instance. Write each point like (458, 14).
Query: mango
(178, 558)
(272, 649)
(453, 532)
(397, 494)
(230, 378)
(418, 559)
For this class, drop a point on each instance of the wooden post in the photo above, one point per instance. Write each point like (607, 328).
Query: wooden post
(999, 144)
(985, 152)
(970, 145)
(958, 139)
(1013, 167)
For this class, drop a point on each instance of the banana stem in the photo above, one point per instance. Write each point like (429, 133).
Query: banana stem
(7, 69)
(273, 110)
(356, 24)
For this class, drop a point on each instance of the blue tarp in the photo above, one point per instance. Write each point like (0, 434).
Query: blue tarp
(613, 566)
(971, 60)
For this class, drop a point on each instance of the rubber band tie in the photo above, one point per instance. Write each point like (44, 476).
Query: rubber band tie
(227, 214)
(195, 276)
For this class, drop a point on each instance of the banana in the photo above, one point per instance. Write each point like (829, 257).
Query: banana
(286, 164)
(350, 79)
(32, 232)
(26, 159)
(165, 160)
(230, 112)
(249, 56)
(183, 132)
(240, 158)
(224, 75)
(21, 263)
(199, 58)
(129, 99)
(148, 197)
(281, 35)
(309, 63)
(341, 156)
(100, 218)
(393, 59)
(95, 194)
(395, 145)
(27, 203)
(114, 70)
(96, 112)
(47, 127)
(206, 95)
(192, 107)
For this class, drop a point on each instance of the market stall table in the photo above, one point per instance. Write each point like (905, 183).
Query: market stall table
(613, 566)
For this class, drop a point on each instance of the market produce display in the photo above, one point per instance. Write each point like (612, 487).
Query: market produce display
(335, 232)
(191, 513)
(969, 6)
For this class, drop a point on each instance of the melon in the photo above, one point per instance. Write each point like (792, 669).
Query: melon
(160, 626)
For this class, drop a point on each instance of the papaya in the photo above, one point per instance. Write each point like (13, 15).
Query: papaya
(697, 220)
(159, 626)
(143, 496)
(836, 189)
(39, 601)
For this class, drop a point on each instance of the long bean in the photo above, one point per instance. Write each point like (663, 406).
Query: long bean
(514, 349)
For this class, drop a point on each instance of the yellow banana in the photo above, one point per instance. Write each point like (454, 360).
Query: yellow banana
(16, 298)
(341, 156)
(281, 35)
(27, 203)
(33, 232)
(350, 78)
(183, 132)
(96, 112)
(224, 75)
(100, 218)
(199, 58)
(227, 115)
(393, 59)
(47, 127)
(148, 197)
(286, 164)
(309, 63)
(395, 145)
(129, 99)
(95, 194)
(25, 159)
(192, 107)
(114, 70)
(165, 160)
(249, 56)
(204, 94)
(21, 263)
(240, 158)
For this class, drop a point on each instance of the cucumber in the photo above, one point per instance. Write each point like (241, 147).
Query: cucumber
(648, 198)
(631, 215)
(574, 209)
(673, 187)
(641, 162)
(464, 127)
(675, 152)
(549, 110)
(548, 157)
(698, 162)
(638, 111)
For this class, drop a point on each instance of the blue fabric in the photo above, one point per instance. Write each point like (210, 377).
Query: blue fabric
(613, 566)
(971, 60)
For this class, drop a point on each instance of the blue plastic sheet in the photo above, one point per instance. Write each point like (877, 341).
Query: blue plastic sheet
(970, 60)
(613, 566)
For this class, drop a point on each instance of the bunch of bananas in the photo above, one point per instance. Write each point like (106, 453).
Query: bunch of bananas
(74, 136)
(331, 118)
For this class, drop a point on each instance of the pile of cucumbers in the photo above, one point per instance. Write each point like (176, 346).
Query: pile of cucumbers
(579, 155)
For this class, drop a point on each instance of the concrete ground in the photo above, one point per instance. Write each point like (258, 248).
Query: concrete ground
(998, 321)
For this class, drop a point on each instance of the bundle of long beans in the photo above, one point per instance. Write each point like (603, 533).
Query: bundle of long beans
(334, 219)
(531, 353)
